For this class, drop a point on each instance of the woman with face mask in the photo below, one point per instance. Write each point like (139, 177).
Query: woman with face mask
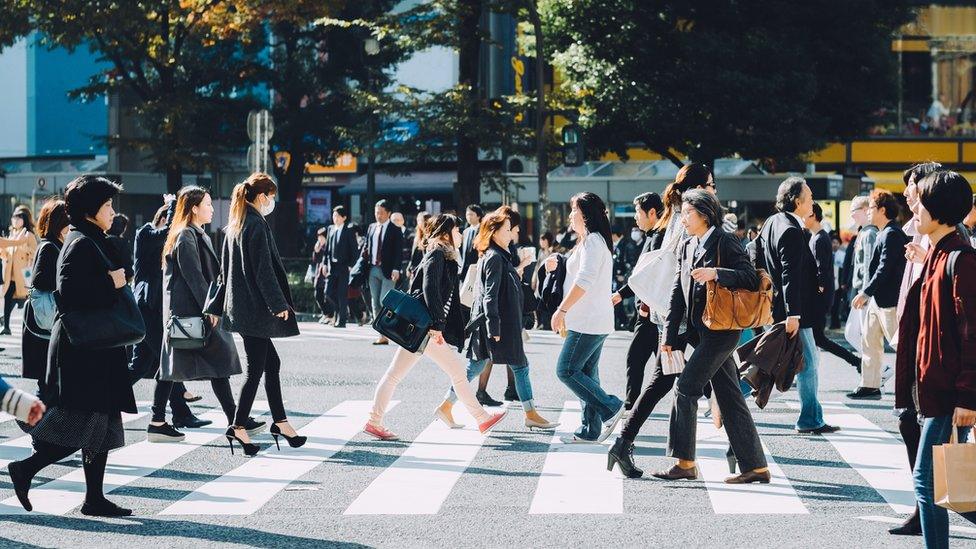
(258, 304)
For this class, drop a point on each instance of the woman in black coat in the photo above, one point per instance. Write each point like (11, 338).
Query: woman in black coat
(436, 284)
(52, 226)
(191, 264)
(88, 388)
(496, 317)
(257, 305)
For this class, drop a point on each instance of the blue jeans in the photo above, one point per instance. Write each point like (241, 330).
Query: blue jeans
(578, 368)
(811, 413)
(935, 519)
(522, 384)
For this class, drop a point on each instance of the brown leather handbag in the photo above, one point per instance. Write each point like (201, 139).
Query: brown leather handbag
(738, 309)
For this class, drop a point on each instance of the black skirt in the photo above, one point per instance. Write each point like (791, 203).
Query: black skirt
(90, 431)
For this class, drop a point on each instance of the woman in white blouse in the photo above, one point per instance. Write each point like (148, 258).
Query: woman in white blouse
(585, 318)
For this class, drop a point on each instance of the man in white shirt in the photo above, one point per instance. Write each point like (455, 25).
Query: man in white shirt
(383, 249)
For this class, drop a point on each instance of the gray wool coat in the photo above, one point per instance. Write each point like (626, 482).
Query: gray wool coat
(190, 268)
(256, 282)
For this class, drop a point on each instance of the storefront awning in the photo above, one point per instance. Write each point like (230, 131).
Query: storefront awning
(419, 183)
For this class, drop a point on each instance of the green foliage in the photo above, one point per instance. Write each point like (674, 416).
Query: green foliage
(14, 21)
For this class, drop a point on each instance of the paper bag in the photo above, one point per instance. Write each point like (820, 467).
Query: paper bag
(954, 472)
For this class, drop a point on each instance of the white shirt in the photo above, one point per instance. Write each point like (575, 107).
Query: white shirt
(375, 245)
(590, 267)
(701, 242)
(803, 225)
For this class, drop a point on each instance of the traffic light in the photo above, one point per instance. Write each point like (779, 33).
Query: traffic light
(574, 153)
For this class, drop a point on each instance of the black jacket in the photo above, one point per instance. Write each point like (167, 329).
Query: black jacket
(256, 282)
(436, 281)
(87, 379)
(734, 271)
(847, 269)
(787, 259)
(652, 241)
(887, 265)
(823, 253)
(391, 250)
(499, 305)
(341, 252)
(148, 265)
(45, 279)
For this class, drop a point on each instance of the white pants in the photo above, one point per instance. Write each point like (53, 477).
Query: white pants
(444, 356)
(877, 324)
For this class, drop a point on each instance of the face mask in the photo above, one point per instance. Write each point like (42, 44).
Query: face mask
(268, 207)
(636, 236)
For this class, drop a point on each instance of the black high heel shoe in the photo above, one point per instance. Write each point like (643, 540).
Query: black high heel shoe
(249, 447)
(622, 454)
(296, 441)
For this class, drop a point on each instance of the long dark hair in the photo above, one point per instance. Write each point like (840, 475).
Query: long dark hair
(594, 212)
(186, 199)
(691, 176)
(440, 227)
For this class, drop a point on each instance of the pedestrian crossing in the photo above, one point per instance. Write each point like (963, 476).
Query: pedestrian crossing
(572, 480)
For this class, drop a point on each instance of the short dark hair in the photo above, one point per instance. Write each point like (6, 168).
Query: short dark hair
(789, 192)
(920, 170)
(477, 209)
(883, 198)
(946, 195)
(649, 201)
(835, 236)
(382, 203)
(817, 212)
(705, 204)
(548, 237)
(119, 224)
(617, 230)
(322, 232)
(341, 210)
(86, 194)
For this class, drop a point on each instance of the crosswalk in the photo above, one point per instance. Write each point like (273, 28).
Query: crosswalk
(573, 478)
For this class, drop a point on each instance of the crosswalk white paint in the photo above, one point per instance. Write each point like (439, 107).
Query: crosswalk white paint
(776, 498)
(247, 488)
(574, 478)
(876, 455)
(125, 466)
(419, 481)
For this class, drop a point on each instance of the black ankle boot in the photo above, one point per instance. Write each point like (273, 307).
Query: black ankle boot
(622, 454)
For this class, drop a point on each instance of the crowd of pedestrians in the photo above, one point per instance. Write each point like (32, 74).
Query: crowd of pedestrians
(99, 318)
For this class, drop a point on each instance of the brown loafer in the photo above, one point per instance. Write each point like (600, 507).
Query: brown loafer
(381, 341)
(677, 473)
(749, 477)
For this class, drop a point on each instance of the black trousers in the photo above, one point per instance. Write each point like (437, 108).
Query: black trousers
(829, 345)
(262, 359)
(8, 304)
(320, 297)
(644, 344)
(337, 291)
(145, 360)
(46, 453)
(164, 391)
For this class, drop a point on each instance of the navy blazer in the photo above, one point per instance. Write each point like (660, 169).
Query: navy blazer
(887, 266)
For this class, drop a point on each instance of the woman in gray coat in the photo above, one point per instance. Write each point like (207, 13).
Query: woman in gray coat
(190, 265)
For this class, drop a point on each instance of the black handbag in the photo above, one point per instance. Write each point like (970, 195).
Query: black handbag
(117, 326)
(404, 320)
(188, 332)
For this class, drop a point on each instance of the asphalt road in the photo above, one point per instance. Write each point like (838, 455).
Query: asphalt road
(442, 488)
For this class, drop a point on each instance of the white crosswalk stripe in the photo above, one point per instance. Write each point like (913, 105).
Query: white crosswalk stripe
(247, 488)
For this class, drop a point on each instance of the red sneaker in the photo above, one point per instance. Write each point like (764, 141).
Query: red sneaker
(380, 432)
(492, 421)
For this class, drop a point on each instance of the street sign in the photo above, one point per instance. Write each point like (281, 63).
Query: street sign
(260, 124)
(41, 183)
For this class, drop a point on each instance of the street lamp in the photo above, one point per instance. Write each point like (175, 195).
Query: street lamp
(372, 47)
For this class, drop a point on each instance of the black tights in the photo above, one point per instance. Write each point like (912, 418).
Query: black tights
(8, 304)
(221, 389)
(262, 359)
(46, 453)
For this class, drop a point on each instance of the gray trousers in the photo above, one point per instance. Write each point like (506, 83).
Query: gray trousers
(379, 285)
(712, 361)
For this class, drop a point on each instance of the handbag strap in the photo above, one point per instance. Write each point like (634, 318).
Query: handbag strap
(173, 321)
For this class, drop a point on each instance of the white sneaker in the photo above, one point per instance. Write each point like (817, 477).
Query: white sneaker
(609, 424)
(887, 373)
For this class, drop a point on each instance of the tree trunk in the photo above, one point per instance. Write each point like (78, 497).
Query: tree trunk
(468, 188)
(174, 177)
(542, 157)
(287, 226)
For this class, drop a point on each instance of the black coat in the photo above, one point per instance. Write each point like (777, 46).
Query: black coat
(469, 256)
(122, 254)
(823, 253)
(724, 252)
(94, 380)
(256, 282)
(391, 249)
(792, 267)
(497, 311)
(147, 276)
(436, 281)
(35, 346)
(887, 265)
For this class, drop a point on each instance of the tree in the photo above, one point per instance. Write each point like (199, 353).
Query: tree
(184, 64)
(14, 21)
(757, 78)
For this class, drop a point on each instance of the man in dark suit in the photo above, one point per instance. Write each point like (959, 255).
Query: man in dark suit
(823, 253)
(782, 250)
(879, 297)
(340, 255)
(383, 249)
(469, 256)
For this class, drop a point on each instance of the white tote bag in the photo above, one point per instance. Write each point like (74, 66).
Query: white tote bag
(852, 330)
(653, 277)
(467, 290)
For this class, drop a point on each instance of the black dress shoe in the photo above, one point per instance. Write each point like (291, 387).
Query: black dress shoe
(865, 393)
(485, 399)
(749, 477)
(21, 482)
(104, 508)
(190, 422)
(163, 433)
(819, 430)
(254, 427)
(677, 473)
(511, 395)
(911, 527)
(622, 454)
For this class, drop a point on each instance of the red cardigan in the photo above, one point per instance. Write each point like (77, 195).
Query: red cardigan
(941, 317)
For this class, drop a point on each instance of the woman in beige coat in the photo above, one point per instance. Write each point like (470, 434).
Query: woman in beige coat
(18, 260)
